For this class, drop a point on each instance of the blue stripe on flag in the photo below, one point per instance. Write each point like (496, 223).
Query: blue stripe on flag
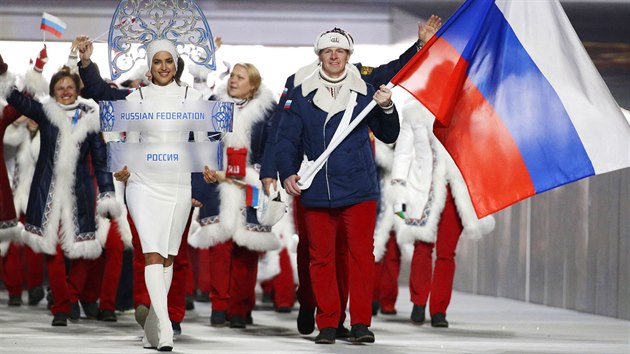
(255, 192)
(54, 25)
(530, 108)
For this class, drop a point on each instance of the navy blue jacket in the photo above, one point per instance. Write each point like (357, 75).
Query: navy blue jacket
(349, 177)
(96, 88)
(83, 188)
(375, 76)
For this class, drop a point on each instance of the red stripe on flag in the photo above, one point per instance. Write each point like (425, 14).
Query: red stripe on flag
(485, 153)
(248, 195)
(51, 30)
(438, 82)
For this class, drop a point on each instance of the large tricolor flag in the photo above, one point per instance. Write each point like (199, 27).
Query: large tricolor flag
(52, 24)
(519, 104)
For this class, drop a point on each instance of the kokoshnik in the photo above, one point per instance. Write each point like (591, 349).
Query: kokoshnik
(133, 26)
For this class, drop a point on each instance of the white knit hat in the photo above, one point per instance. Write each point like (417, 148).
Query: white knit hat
(336, 38)
(161, 45)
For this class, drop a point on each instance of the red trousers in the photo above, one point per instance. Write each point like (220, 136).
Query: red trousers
(387, 272)
(177, 294)
(65, 289)
(199, 265)
(242, 296)
(283, 283)
(267, 286)
(219, 268)
(104, 272)
(438, 282)
(353, 226)
(281, 286)
(304, 293)
(20, 264)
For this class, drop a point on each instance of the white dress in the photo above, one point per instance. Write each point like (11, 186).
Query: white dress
(160, 203)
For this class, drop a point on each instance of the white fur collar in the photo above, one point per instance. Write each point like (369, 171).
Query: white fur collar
(88, 119)
(245, 117)
(324, 100)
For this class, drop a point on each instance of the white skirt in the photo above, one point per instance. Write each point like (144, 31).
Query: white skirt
(160, 213)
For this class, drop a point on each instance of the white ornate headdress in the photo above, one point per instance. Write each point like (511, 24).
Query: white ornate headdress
(137, 22)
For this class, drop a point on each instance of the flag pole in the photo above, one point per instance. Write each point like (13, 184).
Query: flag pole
(99, 36)
(307, 172)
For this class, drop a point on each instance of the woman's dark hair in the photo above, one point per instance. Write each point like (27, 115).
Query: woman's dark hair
(61, 74)
(180, 70)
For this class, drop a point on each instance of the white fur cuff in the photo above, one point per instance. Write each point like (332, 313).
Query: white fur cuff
(11, 233)
(257, 241)
(7, 83)
(107, 206)
(208, 236)
(34, 83)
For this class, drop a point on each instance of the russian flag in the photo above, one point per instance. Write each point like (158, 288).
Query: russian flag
(252, 196)
(518, 103)
(52, 24)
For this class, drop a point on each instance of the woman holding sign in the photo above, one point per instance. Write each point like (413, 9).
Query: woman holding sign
(159, 203)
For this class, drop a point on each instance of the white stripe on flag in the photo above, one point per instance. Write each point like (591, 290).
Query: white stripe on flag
(560, 56)
(54, 20)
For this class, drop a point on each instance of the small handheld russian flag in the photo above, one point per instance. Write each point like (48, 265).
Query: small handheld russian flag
(52, 24)
(252, 195)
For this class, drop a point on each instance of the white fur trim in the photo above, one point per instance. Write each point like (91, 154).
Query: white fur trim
(123, 224)
(199, 71)
(4, 247)
(19, 136)
(232, 201)
(40, 244)
(91, 249)
(11, 233)
(286, 226)
(268, 266)
(15, 134)
(7, 83)
(396, 194)
(323, 99)
(382, 231)
(102, 227)
(384, 155)
(244, 118)
(408, 234)
(209, 235)
(257, 241)
(107, 205)
(35, 83)
(406, 252)
(125, 230)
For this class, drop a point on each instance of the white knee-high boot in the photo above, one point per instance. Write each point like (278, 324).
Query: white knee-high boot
(154, 276)
(168, 277)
